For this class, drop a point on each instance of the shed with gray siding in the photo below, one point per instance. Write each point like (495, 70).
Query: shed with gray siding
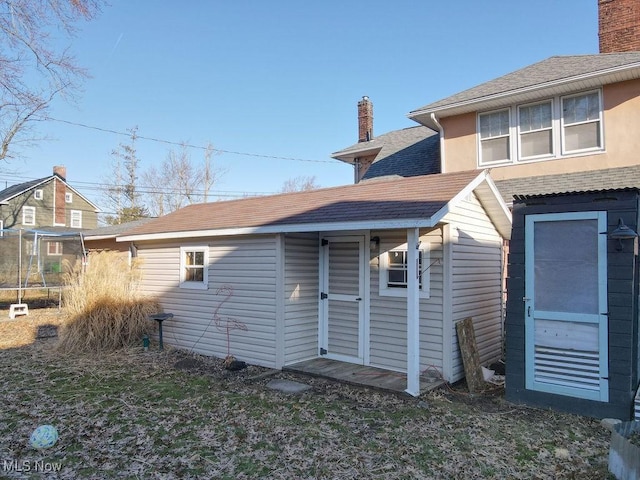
(572, 313)
(375, 274)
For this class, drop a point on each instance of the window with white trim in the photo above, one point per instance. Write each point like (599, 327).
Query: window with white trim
(554, 128)
(194, 263)
(76, 218)
(68, 197)
(535, 124)
(494, 136)
(1, 228)
(54, 248)
(38, 195)
(28, 216)
(581, 122)
(394, 270)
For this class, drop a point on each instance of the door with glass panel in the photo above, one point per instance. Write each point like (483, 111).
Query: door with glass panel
(566, 329)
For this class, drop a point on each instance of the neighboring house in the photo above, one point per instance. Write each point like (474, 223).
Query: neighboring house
(375, 274)
(40, 222)
(48, 204)
(564, 121)
(572, 314)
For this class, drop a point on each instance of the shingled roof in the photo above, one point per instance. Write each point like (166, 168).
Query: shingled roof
(406, 153)
(10, 192)
(555, 75)
(397, 203)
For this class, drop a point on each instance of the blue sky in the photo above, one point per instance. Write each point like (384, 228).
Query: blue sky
(282, 78)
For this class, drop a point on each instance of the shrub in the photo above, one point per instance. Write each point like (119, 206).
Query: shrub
(105, 310)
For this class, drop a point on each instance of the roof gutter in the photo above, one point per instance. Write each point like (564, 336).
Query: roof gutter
(440, 128)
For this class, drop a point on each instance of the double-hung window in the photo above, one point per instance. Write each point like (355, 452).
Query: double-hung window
(549, 129)
(394, 272)
(28, 216)
(581, 122)
(494, 136)
(194, 267)
(535, 125)
(76, 218)
(54, 248)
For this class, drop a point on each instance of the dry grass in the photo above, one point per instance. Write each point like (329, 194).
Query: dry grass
(105, 311)
(170, 415)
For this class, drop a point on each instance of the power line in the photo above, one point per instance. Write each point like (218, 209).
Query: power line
(145, 189)
(188, 145)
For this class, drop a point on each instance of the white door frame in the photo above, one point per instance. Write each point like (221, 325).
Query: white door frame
(325, 296)
(600, 318)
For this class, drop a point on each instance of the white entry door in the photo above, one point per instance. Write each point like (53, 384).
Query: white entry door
(566, 327)
(341, 299)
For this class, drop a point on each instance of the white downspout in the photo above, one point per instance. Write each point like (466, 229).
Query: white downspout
(434, 119)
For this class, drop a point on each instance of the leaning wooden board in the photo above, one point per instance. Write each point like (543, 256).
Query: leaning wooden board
(470, 357)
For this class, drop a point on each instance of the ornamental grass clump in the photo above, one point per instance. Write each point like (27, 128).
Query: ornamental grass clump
(105, 310)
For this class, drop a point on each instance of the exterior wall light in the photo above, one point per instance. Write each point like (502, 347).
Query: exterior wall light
(622, 232)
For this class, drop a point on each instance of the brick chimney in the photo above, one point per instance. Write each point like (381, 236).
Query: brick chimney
(60, 194)
(619, 25)
(365, 120)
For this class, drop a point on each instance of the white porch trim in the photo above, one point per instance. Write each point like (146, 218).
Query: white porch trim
(413, 313)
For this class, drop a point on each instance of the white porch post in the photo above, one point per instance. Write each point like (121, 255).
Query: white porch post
(413, 313)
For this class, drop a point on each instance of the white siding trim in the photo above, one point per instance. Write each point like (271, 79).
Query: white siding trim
(413, 313)
(447, 301)
(280, 281)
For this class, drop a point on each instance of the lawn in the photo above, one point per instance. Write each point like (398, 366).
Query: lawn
(170, 414)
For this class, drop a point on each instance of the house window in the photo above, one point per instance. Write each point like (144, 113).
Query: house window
(68, 197)
(394, 271)
(581, 122)
(194, 267)
(1, 228)
(535, 124)
(38, 194)
(494, 136)
(554, 128)
(54, 248)
(76, 219)
(28, 216)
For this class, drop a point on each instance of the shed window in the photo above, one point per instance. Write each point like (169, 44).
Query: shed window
(194, 267)
(393, 272)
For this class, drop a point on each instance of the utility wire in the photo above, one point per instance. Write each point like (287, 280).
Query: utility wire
(143, 188)
(182, 144)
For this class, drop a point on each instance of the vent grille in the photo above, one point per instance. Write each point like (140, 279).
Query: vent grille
(568, 368)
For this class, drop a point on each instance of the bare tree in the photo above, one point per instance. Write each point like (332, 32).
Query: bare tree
(32, 70)
(121, 193)
(299, 184)
(179, 182)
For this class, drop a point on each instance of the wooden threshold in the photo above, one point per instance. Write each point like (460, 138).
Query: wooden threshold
(361, 375)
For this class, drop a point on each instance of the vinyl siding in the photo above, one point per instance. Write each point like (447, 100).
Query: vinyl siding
(11, 213)
(301, 297)
(247, 266)
(388, 317)
(476, 281)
